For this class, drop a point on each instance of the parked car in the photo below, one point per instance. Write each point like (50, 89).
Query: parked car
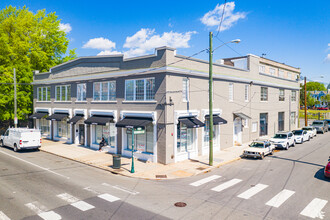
(259, 148)
(327, 169)
(322, 108)
(311, 130)
(321, 126)
(300, 136)
(283, 140)
(21, 138)
(328, 121)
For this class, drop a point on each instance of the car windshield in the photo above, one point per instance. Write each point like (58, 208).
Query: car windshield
(317, 123)
(281, 136)
(307, 129)
(297, 132)
(257, 144)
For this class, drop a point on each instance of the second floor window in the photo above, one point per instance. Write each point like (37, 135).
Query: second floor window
(289, 75)
(140, 89)
(43, 94)
(185, 89)
(81, 92)
(264, 94)
(293, 96)
(272, 71)
(63, 93)
(282, 95)
(231, 92)
(104, 91)
(281, 73)
(246, 93)
(261, 69)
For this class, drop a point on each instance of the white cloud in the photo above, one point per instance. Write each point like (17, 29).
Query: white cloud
(213, 17)
(146, 40)
(65, 27)
(327, 59)
(108, 52)
(100, 43)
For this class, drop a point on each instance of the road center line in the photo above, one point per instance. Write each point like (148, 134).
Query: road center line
(252, 191)
(205, 180)
(40, 167)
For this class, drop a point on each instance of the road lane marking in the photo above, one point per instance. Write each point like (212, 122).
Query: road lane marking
(280, 198)
(40, 167)
(108, 197)
(68, 198)
(121, 188)
(51, 215)
(252, 191)
(314, 208)
(36, 207)
(3, 216)
(226, 185)
(205, 180)
(83, 206)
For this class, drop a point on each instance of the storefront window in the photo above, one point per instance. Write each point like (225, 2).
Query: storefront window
(62, 128)
(185, 138)
(108, 132)
(206, 133)
(44, 126)
(142, 142)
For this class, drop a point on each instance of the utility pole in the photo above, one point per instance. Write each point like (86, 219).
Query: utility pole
(132, 166)
(305, 96)
(210, 103)
(289, 112)
(15, 100)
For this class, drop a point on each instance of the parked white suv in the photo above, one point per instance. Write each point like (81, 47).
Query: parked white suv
(21, 138)
(310, 130)
(283, 140)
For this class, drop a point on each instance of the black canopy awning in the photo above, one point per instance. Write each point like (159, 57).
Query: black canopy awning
(217, 120)
(135, 122)
(191, 122)
(75, 119)
(57, 116)
(38, 115)
(242, 115)
(99, 119)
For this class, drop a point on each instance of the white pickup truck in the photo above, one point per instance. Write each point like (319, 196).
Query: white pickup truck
(21, 138)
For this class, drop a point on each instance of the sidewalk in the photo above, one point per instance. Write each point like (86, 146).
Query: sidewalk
(143, 169)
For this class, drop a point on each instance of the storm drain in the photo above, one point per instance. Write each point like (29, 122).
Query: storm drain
(180, 204)
(161, 176)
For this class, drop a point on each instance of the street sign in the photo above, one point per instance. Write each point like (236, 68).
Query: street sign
(136, 131)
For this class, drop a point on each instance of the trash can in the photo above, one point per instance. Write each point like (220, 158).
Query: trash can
(116, 162)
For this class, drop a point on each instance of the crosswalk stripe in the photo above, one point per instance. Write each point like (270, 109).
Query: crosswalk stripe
(68, 198)
(3, 216)
(280, 198)
(36, 207)
(314, 208)
(108, 197)
(51, 215)
(205, 180)
(226, 185)
(83, 206)
(252, 191)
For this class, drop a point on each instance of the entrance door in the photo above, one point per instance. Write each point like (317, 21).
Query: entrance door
(238, 131)
(281, 121)
(263, 124)
(82, 134)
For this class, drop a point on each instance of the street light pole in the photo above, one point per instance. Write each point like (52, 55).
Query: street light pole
(132, 168)
(210, 103)
(15, 100)
(305, 96)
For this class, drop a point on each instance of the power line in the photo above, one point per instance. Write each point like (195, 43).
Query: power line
(223, 12)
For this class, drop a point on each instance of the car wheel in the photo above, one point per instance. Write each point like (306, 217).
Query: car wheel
(262, 156)
(15, 148)
(1, 144)
(287, 146)
(294, 143)
(272, 152)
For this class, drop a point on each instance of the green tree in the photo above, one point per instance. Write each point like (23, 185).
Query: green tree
(326, 98)
(28, 42)
(315, 86)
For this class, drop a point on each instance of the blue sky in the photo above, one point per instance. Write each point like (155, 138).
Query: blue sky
(292, 32)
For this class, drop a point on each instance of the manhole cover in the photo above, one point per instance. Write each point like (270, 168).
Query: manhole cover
(180, 204)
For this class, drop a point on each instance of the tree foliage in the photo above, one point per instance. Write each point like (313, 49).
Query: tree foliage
(315, 86)
(310, 100)
(326, 98)
(28, 42)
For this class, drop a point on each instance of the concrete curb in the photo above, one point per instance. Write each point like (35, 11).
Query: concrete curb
(145, 178)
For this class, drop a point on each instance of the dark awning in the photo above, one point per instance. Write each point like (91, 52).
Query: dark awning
(75, 119)
(99, 119)
(135, 122)
(57, 116)
(242, 115)
(38, 115)
(191, 122)
(217, 120)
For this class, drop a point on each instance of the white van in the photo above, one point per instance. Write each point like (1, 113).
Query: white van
(21, 138)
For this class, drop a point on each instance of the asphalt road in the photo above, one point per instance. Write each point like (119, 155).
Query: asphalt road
(287, 185)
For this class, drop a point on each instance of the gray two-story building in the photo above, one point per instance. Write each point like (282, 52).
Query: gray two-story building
(166, 94)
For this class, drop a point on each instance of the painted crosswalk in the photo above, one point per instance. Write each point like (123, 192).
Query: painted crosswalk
(205, 180)
(314, 208)
(108, 197)
(226, 185)
(280, 198)
(42, 211)
(75, 202)
(3, 216)
(252, 191)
